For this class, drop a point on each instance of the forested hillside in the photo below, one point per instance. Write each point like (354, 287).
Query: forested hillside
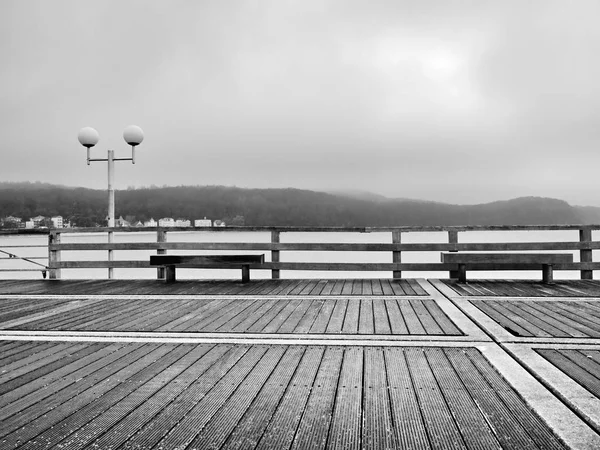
(276, 207)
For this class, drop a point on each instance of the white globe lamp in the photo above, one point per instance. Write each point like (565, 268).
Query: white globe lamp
(88, 137)
(133, 135)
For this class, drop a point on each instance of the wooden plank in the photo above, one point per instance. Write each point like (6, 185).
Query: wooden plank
(241, 309)
(215, 432)
(263, 321)
(400, 287)
(545, 323)
(515, 316)
(248, 430)
(48, 385)
(406, 412)
(313, 429)
(357, 287)
(537, 429)
(328, 287)
(414, 284)
(507, 258)
(377, 267)
(15, 377)
(337, 289)
(345, 433)
(282, 428)
(336, 321)
(448, 327)
(411, 318)
(191, 315)
(507, 323)
(397, 323)
(254, 311)
(378, 429)
(380, 317)
(376, 287)
(309, 317)
(292, 322)
(367, 288)
(74, 395)
(570, 365)
(283, 316)
(143, 415)
(61, 421)
(328, 246)
(352, 315)
(118, 410)
(428, 322)
(249, 321)
(181, 421)
(509, 431)
(441, 427)
(473, 427)
(347, 289)
(322, 321)
(561, 320)
(366, 324)
(318, 288)
(386, 287)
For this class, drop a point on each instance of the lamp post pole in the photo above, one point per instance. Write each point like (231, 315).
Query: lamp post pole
(88, 137)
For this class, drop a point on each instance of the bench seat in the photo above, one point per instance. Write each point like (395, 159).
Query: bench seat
(170, 262)
(506, 261)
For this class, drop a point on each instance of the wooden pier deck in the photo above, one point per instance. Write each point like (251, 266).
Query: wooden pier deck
(299, 364)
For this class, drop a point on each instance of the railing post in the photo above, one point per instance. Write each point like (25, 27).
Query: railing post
(585, 255)
(396, 254)
(53, 255)
(161, 236)
(275, 254)
(453, 239)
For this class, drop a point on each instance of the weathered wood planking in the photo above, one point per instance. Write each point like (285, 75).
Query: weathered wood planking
(253, 315)
(300, 397)
(211, 287)
(526, 288)
(566, 319)
(581, 365)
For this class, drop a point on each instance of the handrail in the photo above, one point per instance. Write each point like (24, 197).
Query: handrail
(585, 246)
(29, 260)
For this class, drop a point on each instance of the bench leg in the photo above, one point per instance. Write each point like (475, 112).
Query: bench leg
(462, 273)
(245, 273)
(169, 274)
(547, 275)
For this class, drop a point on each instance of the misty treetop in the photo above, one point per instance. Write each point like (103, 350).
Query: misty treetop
(275, 207)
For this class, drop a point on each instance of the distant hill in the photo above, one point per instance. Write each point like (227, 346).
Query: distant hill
(278, 207)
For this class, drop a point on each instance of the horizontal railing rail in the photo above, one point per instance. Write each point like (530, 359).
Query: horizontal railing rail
(584, 246)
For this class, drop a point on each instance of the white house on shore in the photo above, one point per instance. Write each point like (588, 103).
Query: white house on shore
(182, 223)
(57, 221)
(166, 222)
(203, 222)
(150, 223)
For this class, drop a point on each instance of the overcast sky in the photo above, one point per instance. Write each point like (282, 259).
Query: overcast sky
(455, 101)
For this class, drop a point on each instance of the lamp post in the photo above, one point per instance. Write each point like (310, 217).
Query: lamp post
(88, 137)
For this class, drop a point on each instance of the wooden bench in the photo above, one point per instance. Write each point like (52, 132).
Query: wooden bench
(506, 261)
(170, 262)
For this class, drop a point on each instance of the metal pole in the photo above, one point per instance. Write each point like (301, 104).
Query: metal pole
(111, 205)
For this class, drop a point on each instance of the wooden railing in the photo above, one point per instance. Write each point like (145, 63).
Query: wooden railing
(584, 245)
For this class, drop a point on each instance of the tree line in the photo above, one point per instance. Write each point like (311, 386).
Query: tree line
(269, 207)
